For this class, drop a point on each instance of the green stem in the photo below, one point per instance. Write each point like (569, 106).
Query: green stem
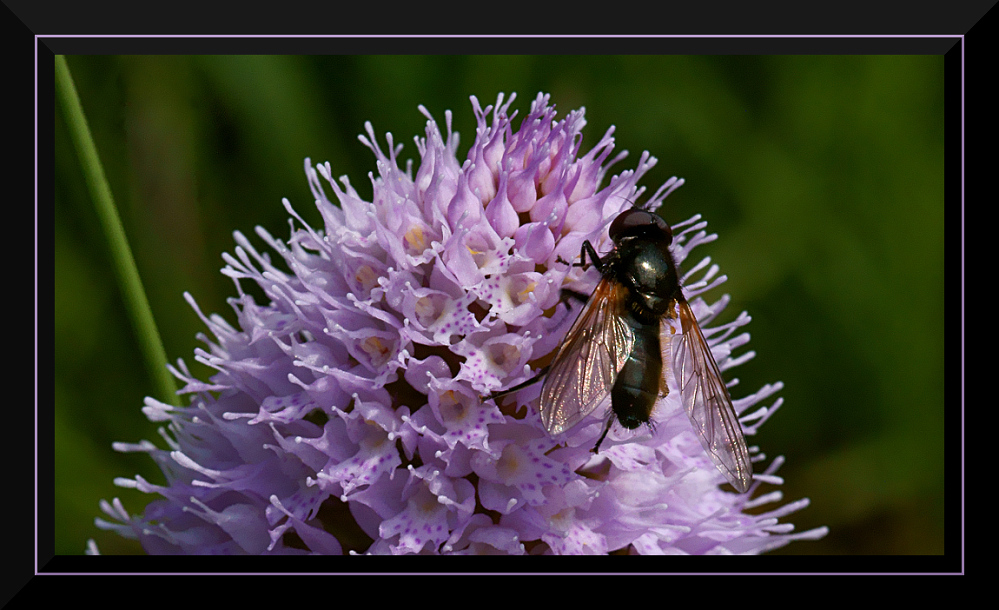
(121, 254)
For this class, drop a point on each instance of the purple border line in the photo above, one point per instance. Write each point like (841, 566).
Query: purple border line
(959, 37)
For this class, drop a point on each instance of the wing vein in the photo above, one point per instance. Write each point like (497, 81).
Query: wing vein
(586, 365)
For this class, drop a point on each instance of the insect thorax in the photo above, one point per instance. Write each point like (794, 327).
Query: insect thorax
(647, 269)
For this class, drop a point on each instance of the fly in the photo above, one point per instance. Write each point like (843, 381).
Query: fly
(621, 341)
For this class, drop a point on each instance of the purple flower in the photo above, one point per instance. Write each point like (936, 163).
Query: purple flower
(351, 401)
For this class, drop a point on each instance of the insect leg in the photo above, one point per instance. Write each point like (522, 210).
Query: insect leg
(610, 420)
(595, 259)
(518, 387)
(566, 293)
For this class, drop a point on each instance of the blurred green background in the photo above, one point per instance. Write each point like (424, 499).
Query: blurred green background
(823, 176)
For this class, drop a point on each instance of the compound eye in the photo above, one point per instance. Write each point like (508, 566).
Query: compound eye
(635, 222)
(628, 220)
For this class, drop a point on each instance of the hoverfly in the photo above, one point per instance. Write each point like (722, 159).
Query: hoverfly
(622, 337)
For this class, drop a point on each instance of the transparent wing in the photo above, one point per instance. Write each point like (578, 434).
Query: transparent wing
(708, 404)
(587, 363)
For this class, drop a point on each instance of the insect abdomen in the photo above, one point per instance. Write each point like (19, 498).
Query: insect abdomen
(636, 388)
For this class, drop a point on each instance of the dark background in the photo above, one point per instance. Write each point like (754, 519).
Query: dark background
(822, 174)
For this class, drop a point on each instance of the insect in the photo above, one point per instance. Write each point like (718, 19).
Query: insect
(621, 340)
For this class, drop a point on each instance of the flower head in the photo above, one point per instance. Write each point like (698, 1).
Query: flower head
(355, 393)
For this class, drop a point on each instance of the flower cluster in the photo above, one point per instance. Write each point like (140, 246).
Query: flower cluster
(347, 412)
